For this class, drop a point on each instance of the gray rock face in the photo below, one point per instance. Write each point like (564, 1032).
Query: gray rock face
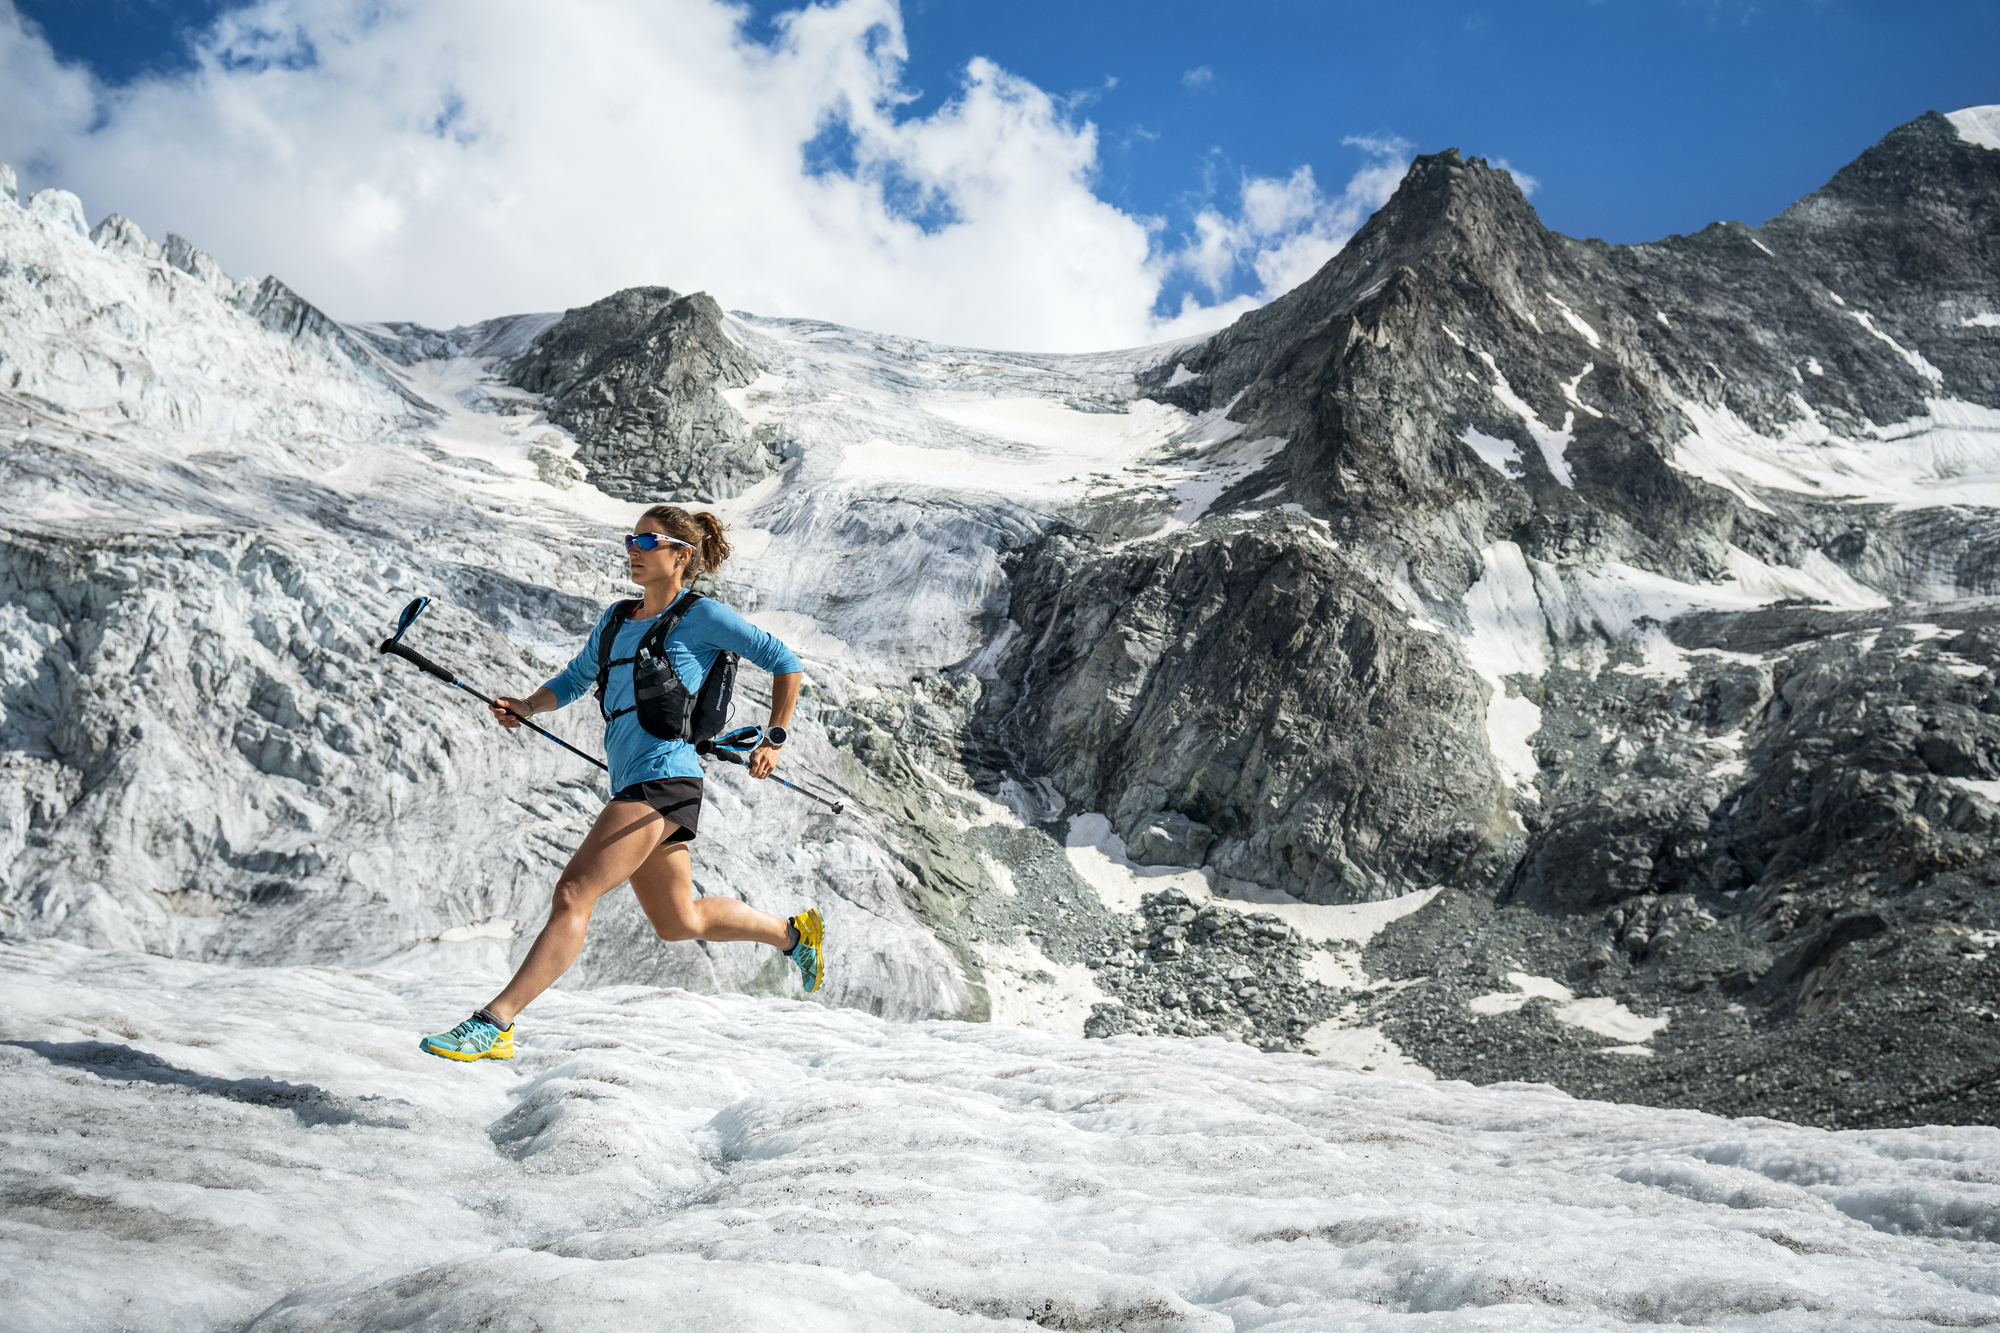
(1285, 699)
(1171, 839)
(1907, 232)
(637, 378)
(1816, 915)
(1263, 686)
(1778, 837)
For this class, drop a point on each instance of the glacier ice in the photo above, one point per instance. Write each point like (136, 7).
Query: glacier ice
(1977, 124)
(219, 499)
(60, 207)
(179, 1155)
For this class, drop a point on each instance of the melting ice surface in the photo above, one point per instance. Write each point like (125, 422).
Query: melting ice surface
(195, 1146)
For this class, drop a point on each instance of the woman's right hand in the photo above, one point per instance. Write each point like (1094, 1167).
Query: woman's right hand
(507, 719)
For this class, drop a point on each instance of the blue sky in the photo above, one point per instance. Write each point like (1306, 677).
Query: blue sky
(1636, 119)
(1630, 120)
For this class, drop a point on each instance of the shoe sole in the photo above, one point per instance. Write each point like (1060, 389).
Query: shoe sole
(429, 1049)
(812, 929)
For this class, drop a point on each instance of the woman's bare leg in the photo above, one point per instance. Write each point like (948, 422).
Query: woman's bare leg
(618, 844)
(665, 888)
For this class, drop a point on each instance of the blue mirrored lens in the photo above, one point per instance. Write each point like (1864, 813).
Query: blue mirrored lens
(651, 541)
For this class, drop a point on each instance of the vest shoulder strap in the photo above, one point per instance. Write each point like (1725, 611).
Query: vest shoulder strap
(620, 613)
(655, 638)
(653, 641)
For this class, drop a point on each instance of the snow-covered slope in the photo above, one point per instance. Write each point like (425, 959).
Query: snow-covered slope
(212, 517)
(219, 511)
(175, 1158)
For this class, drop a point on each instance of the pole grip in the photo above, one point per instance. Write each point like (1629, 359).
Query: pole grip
(417, 659)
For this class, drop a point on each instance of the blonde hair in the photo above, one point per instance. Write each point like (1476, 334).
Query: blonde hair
(702, 531)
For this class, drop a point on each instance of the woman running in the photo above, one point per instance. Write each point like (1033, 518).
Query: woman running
(643, 834)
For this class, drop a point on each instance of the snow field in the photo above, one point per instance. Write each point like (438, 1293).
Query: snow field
(1509, 637)
(235, 516)
(1950, 456)
(1599, 1014)
(1525, 613)
(1978, 124)
(189, 1146)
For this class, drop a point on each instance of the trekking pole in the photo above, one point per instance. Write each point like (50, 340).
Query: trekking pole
(394, 646)
(731, 748)
(817, 777)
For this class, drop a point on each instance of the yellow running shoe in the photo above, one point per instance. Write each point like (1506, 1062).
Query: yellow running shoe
(474, 1039)
(806, 953)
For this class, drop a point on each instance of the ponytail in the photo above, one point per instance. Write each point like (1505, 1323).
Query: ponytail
(703, 531)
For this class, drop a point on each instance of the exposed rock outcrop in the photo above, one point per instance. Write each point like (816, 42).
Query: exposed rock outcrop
(1459, 377)
(638, 379)
(1264, 685)
(1429, 615)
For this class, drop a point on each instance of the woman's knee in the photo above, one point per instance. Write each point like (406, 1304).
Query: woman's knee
(676, 928)
(572, 900)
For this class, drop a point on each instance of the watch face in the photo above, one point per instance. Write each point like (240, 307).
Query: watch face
(774, 735)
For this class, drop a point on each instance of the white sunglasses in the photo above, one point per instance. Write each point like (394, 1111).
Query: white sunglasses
(648, 541)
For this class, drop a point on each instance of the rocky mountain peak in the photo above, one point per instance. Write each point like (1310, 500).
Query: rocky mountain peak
(1446, 197)
(1909, 233)
(1450, 212)
(1922, 165)
(638, 378)
(1493, 412)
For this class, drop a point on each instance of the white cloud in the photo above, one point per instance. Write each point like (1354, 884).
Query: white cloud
(1528, 184)
(1284, 230)
(1198, 78)
(452, 160)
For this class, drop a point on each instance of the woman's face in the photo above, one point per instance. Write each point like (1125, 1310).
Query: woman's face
(663, 561)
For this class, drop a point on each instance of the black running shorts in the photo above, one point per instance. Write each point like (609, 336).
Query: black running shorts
(679, 799)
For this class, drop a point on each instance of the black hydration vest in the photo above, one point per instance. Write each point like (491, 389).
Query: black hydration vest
(664, 706)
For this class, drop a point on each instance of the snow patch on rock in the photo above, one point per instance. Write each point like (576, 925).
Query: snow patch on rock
(1977, 124)
(1599, 1014)
(1951, 455)
(1509, 637)
(1551, 443)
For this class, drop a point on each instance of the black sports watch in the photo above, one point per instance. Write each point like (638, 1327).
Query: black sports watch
(775, 736)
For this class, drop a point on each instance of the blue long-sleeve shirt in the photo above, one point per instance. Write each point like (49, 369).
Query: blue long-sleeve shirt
(707, 630)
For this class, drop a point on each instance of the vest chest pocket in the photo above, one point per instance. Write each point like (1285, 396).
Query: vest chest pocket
(665, 707)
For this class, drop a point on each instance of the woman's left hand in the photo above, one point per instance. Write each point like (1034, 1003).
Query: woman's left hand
(763, 760)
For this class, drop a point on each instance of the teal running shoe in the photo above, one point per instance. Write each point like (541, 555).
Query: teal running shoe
(474, 1039)
(806, 953)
